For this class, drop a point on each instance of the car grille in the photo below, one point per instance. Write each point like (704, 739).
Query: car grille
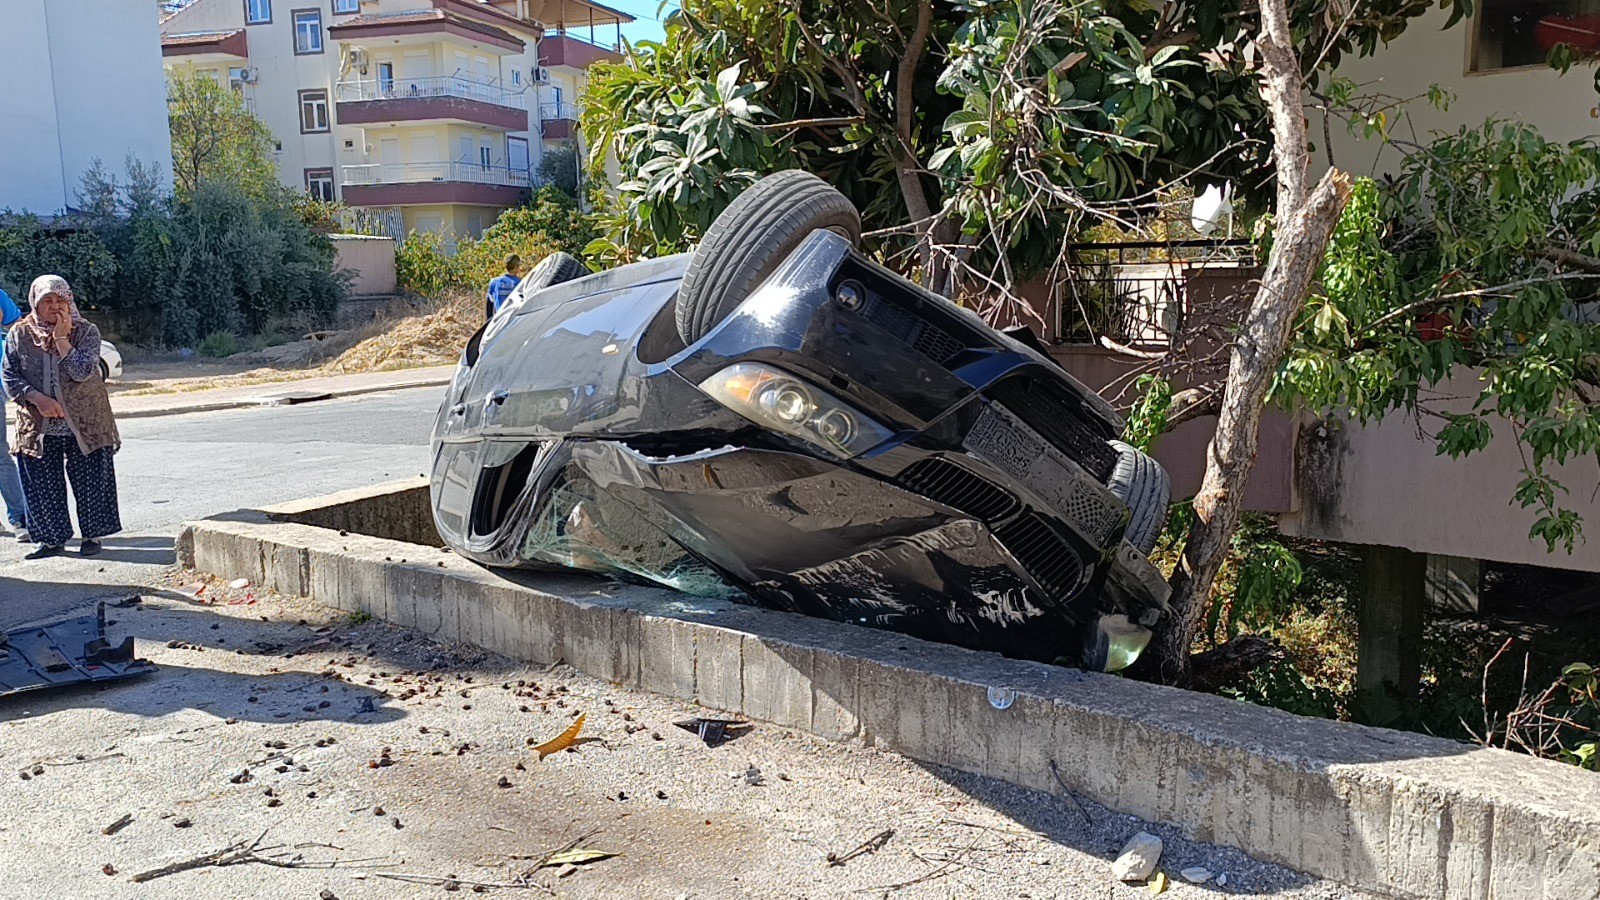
(926, 338)
(945, 482)
(1062, 424)
(1043, 552)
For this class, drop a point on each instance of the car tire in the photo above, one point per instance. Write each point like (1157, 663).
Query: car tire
(750, 238)
(105, 371)
(553, 269)
(1140, 483)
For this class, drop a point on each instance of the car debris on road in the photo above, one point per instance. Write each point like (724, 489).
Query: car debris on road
(70, 651)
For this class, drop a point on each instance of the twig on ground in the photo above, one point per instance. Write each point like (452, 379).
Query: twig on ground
(1067, 792)
(79, 762)
(242, 853)
(118, 825)
(442, 880)
(870, 845)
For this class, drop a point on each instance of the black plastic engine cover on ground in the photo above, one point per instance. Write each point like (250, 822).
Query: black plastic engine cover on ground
(67, 652)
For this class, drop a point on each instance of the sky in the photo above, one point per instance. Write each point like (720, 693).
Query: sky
(647, 15)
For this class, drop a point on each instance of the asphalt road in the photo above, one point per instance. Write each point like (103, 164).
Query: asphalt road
(174, 469)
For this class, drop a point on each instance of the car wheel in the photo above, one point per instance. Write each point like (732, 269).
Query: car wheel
(553, 269)
(105, 371)
(750, 238)
(1144, 486)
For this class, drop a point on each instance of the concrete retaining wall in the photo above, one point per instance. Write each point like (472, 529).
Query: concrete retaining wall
(1388, 811)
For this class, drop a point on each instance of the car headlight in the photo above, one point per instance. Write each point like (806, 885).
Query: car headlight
(780, 401)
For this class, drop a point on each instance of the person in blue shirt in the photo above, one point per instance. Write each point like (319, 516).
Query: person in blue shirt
(501, 288)
(10, 481)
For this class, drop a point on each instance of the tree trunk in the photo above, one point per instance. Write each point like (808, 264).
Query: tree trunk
(1304, 222)
(908, 168)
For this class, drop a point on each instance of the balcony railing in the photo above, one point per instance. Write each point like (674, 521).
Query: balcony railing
(592, 37)
(419, 172)
(420, 88)
(556, 112)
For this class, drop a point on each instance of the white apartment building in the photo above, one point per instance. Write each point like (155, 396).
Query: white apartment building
(83, 81)
(432, 114)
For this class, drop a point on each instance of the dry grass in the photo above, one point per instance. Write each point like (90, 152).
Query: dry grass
(430, 338)
(434, 338)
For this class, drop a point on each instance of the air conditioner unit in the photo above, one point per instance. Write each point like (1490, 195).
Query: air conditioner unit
(248, 76)
(541, 75)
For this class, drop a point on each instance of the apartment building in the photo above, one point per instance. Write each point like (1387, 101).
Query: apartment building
(83, 82)
(432, 115)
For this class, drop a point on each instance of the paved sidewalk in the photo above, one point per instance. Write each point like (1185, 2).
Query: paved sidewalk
(274, 393)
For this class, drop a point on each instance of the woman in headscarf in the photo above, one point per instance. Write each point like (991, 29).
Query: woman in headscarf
(65, 431)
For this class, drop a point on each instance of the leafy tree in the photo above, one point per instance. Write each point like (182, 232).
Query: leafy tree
(558, 168)
(976, 135)
(1483, 254)
(215, 138)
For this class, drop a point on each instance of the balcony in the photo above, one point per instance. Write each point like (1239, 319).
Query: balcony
(438, 98)
(409, 184)
(565, 48)
(559, 121)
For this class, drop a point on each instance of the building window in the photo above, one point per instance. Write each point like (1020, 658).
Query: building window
(307, 31)
(385, 79)
(341, 7)
(313, 111)
(516, 77)
(257, 12)
(1511, 34)
(485, 156)
(319, 184)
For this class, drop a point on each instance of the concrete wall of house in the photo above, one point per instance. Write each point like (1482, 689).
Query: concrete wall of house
(86, 84)
(1561, 107)
(369, 259)
(1383, 483)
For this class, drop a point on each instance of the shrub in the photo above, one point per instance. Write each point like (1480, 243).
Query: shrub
(219, 344)
(551, 222)
(217, 260)
(423, 265)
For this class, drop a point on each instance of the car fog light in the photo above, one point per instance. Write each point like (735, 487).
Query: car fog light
(777, 400)
(1115, 643)
(851, 294)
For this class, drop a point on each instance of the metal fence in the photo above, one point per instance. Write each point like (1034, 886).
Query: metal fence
(1136, 293)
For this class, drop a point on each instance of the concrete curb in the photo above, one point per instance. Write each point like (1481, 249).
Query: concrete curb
(265, 398)
(1387, 811)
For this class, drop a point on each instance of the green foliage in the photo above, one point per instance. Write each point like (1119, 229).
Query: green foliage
(1028, 112)
(1280, 684)
(1147, 418)
(172, 270)
(426, 266)
(1479, 255)
(216, 139)
(693, 145)
(219, 344)
(558, 167)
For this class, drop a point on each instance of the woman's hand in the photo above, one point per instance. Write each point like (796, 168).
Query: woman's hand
(48, 407)
(61, 335)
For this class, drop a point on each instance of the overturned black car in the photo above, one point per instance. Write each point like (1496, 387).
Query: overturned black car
(777, 419)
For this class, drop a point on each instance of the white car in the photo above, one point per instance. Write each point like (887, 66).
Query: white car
(110, 361)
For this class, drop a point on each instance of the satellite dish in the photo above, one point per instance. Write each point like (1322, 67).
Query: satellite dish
(1210, 208)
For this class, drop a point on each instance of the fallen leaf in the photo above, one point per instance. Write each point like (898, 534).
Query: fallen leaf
(566, 739)
(1158, 884)
(577, 857)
